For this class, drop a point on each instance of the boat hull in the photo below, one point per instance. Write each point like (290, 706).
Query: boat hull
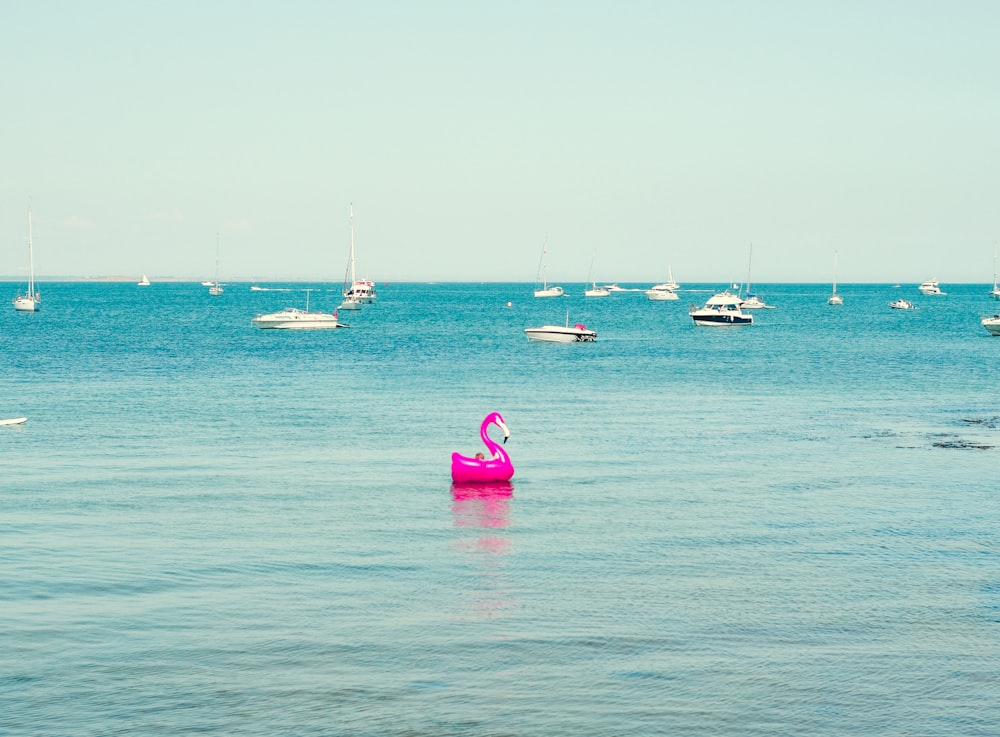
(559, 334)
(992, 325)
(716, 320)
(661, 295)
(293, 319)
(25, 304)
(549, 292)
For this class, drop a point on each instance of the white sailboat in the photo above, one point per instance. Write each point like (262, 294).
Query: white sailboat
(835, 299)
(995, 292)
(595, 291)
(358, 291)
(216, 289)
(545, 290)
(352, 289)
(144, 282)
(752, 301)
(29, 301)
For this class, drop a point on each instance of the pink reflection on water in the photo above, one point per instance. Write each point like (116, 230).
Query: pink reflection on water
(482, 512)
(483, 505)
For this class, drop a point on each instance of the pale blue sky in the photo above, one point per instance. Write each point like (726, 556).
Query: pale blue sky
(641, 134)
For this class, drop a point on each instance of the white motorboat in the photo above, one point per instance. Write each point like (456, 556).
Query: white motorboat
(661, 293)
(559, 334)
(901, 304)
(545, 290)
(562, 333)
(14, 421)
(144, 282)
(930, 286)
(356, 292)
(992, 324)
(614, 288)
(292, 318)
(722, 309)
(835, 299)
(30, 300)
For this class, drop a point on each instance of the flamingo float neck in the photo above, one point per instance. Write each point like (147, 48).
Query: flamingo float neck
(496, 451)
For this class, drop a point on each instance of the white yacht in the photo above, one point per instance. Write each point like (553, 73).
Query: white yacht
(992, 324)
(661, 293)
(930, 286)
(292, 318)
(722, 309)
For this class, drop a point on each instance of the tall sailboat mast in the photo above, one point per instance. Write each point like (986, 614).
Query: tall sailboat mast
(31, 260)
(354, 275)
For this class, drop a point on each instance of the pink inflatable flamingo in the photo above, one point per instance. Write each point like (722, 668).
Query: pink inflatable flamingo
(497, 467)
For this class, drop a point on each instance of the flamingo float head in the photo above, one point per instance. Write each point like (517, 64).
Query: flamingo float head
(494, 418)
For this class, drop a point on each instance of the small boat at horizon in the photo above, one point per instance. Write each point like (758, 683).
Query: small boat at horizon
(835, 299)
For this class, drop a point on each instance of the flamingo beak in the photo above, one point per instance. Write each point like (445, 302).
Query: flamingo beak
(506, 432)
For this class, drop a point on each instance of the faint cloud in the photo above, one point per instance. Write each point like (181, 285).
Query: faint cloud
(78, 222)
(174, 216)
(237, 225)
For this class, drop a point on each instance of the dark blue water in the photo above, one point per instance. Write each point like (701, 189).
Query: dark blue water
(789, 528)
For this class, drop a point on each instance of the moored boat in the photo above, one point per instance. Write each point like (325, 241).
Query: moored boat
(661, 293)
(577, 333)
(901, 304)
(722, 309)
(292, 318)
(992, 324)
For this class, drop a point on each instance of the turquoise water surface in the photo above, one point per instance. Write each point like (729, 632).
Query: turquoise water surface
(789, 528)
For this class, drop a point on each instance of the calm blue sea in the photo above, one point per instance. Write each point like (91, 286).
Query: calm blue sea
(786, 529)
